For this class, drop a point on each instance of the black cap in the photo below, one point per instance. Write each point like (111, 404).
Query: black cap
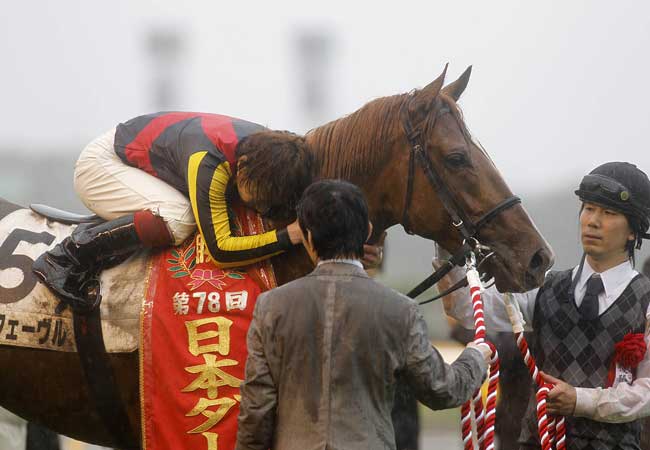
(623, 187)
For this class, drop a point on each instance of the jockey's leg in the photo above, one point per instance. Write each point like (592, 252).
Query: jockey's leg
(112, 189)
(71, 268)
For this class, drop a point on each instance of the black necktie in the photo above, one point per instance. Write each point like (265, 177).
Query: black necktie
(589, 306)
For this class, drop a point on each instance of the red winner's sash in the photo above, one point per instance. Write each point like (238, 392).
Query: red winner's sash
(193, 352)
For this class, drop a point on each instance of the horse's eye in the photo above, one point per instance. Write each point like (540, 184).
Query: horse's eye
(456, 161)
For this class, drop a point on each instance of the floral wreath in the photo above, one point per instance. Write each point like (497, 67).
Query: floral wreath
(183, 264)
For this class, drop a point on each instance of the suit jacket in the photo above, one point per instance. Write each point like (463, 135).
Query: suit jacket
(325, 354)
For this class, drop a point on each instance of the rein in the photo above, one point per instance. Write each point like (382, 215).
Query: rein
(469, 248)
(460, 219)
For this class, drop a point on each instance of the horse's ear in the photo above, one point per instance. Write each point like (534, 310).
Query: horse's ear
(424, 98)
(456, 89)
(432, 89)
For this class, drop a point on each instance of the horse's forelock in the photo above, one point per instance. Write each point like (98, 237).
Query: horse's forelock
(449, 104)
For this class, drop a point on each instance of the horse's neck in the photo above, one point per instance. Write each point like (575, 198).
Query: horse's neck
(363, 151)
(361, 148)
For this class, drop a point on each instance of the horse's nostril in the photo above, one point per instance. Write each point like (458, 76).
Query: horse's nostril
(538, 261)
(536, 268)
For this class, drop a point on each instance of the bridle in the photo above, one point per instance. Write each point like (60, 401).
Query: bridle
(467, 228)
(418, 154)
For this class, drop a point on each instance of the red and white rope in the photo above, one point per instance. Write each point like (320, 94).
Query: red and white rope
(484, 415)
(552, 431)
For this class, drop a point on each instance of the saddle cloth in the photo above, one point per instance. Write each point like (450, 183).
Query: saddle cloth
(27, 308)
(193, 344)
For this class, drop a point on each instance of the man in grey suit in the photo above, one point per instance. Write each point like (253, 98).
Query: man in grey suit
(326, 351)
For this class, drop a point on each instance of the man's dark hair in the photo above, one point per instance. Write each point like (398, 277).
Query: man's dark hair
(277, 169)
(336, 213)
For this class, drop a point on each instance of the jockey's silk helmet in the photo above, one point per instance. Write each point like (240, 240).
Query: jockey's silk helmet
(622, 187)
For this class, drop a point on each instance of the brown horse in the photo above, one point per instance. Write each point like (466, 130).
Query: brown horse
(369, 148)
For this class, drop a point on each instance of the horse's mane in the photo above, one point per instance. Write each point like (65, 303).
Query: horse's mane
(359, 143)
(369, 131)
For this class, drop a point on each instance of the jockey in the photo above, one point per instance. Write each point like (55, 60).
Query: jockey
(156, 177)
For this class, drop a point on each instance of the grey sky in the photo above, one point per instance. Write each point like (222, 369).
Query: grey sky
(558, 87)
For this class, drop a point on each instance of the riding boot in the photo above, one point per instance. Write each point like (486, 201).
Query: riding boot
(71, 268)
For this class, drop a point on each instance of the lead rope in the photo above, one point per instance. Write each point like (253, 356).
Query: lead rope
(552, 433)
(484, 417)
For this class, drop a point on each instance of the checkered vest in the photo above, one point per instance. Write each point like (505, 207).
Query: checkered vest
(579, 352)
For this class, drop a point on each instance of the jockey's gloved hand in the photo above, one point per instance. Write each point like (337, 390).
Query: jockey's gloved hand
(295, 233)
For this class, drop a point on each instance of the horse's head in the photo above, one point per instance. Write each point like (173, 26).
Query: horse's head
(374, 148)
(462, 184)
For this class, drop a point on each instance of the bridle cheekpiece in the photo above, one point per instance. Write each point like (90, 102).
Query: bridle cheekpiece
(461, 221)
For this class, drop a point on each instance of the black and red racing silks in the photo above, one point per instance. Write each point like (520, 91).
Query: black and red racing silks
(195, 153)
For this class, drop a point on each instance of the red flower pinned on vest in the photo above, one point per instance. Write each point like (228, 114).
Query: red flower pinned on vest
(628, 354)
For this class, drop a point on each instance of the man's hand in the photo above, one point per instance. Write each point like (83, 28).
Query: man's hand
(372, 256)
(561, 400)
(483, 348)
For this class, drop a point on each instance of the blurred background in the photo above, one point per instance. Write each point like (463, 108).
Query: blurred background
(557, 89)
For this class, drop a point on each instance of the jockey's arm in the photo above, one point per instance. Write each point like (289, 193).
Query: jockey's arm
(207, 182)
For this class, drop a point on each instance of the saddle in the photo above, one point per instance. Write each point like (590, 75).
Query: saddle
(65, 217)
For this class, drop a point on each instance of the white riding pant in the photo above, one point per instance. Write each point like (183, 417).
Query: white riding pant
(111, 189)
(13, 431)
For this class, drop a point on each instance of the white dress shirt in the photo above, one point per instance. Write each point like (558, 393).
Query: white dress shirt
(622, 403)
(354, 262)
